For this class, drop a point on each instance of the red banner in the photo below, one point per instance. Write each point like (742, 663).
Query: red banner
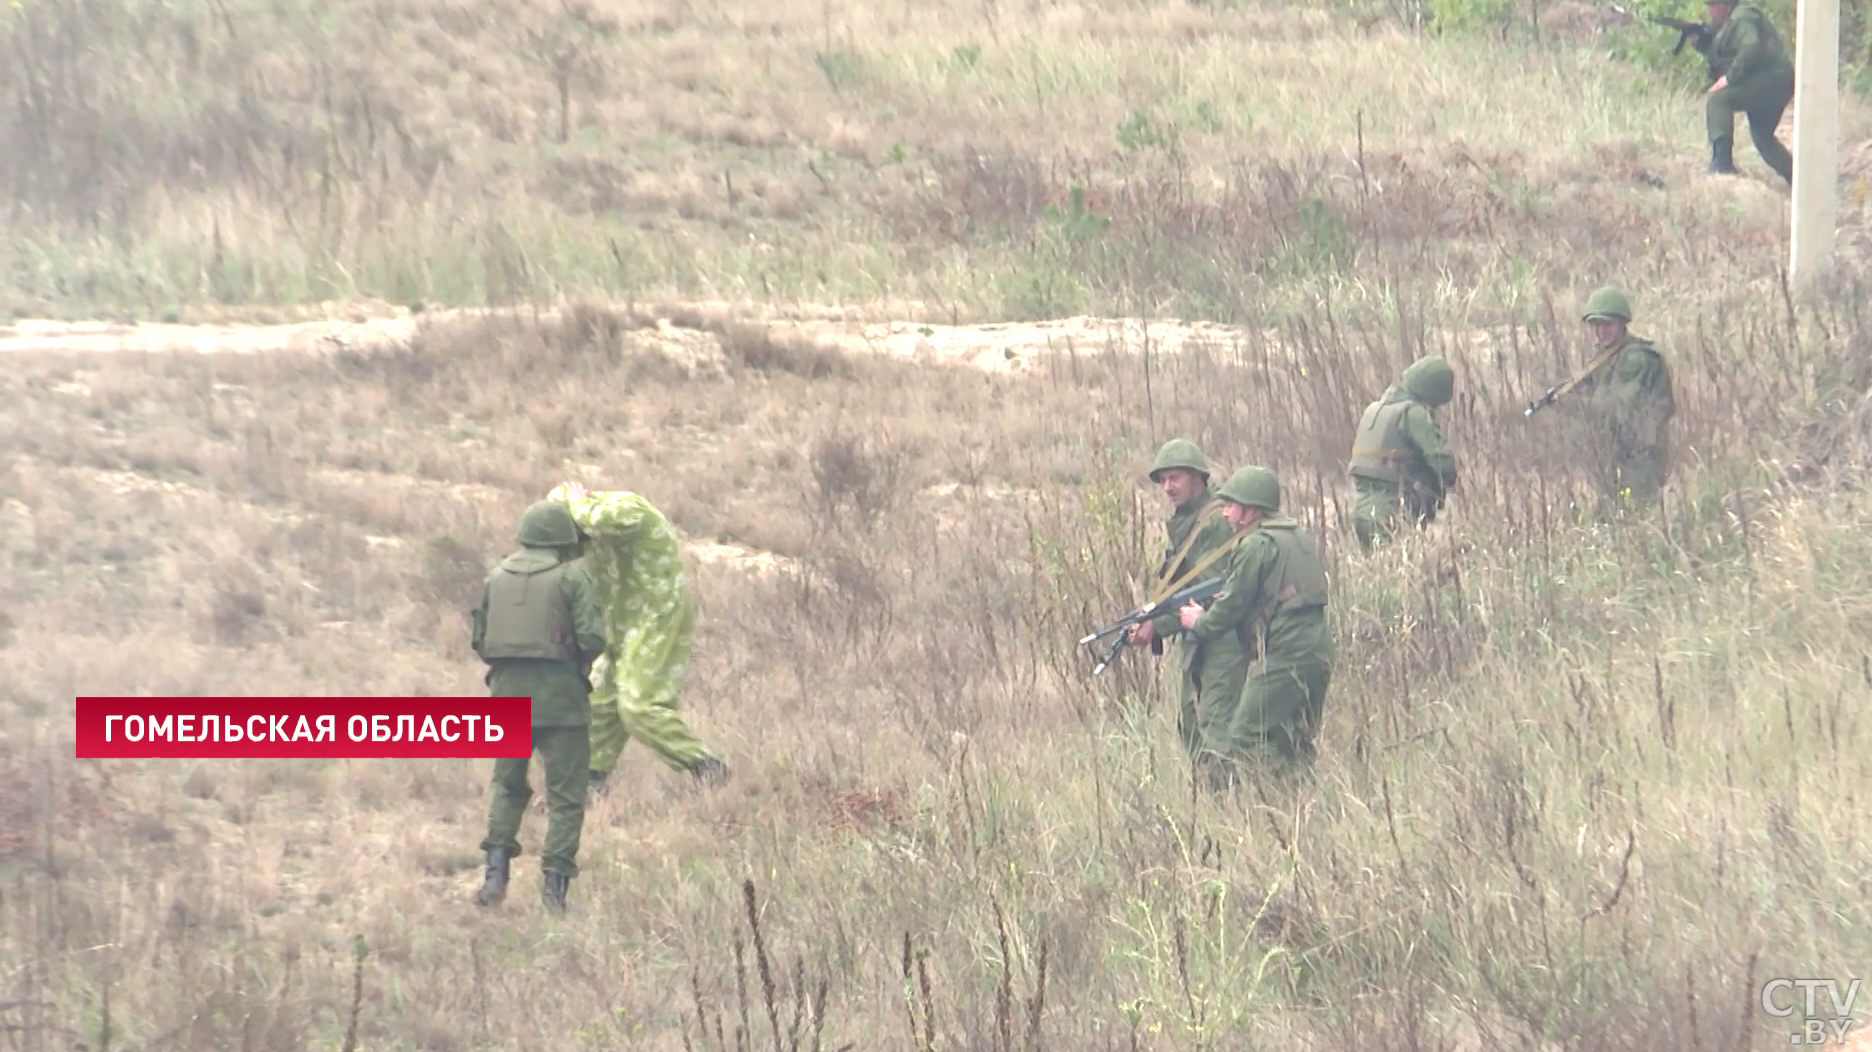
(304, 728)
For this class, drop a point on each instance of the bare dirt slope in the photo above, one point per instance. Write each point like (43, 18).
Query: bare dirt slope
(680, 331)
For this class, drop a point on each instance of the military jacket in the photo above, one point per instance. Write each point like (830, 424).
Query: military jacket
(1747, 49)
(1398, 443)
(1274, 605)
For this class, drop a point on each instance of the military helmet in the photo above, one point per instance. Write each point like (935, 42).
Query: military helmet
(1179, 453)
(548, 524)
(1608, 304)
(1253, 487)
(1430, 380)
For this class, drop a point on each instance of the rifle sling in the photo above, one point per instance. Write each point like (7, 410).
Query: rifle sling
(1591, 368)
(1208, 560)
(1159, 590)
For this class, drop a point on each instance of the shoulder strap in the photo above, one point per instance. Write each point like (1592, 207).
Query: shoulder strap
(1203, 519)
(1169, 588)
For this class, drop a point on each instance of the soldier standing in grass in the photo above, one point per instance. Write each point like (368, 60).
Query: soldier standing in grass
(635, 558)
(1194, 530)
(539, 627)
(1270, 621)
(1750, 74)
(1628, 402)
(1400, 463)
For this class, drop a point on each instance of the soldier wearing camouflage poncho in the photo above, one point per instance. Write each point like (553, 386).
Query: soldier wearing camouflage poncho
(1270, 622)
(635, 557)
(1194, 530)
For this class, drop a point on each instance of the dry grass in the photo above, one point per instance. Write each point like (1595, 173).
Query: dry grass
(1582, 779)
(1586, 783)
(988, 159)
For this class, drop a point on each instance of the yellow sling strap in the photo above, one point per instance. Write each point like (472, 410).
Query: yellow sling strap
(1182, 552)
(1591, 368)
(1165, 589)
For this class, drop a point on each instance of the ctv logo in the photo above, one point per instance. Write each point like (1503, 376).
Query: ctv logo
(1778, 999)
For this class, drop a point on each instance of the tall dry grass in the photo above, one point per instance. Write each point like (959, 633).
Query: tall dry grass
(1587, 783)
(1588, 780)
(199, 159)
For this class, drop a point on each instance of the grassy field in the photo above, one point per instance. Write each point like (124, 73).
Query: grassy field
(1587, 783)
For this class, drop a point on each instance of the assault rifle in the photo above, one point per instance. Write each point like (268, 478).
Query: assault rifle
(1547, 398)
(1199, 593)
(1696, 34)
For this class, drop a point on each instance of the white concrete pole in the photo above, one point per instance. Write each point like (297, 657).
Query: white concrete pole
(1816, 141)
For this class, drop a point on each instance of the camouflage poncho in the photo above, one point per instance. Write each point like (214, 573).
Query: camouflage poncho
(636, 559)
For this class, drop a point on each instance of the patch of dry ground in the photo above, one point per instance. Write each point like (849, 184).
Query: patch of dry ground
(1006, 347)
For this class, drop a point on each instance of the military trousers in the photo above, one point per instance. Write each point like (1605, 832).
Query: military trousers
(1637, 474)
(1276, 722)
(1763, 101)
(1379, 507)
(660, 727)
(1211, 688)
(565, 756)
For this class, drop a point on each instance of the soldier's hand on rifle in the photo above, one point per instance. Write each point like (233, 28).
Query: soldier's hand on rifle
(1142, 633)
(1188, 615)
(1721, 83)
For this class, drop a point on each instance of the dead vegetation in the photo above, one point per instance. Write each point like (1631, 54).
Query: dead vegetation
(1544, 722)
(1588, 780)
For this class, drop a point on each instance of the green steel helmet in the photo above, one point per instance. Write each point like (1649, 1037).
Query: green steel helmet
(1254, 488)
(1430, 380)
(1179, 453)
(548, 524)
(1608, 304)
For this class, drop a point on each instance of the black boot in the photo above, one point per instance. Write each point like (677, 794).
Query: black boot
(553, 892)
(596, 787)
(494, 888)
(710, 771)
(1722, 157)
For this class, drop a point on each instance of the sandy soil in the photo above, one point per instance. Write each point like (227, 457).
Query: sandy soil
(994, 348)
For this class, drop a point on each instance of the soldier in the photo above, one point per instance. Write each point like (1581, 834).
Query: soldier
(539, 627)
(1629, 401)
(1194, 530)
(1271, 619)
(1750, 74)
(635, 559)
(1400, 463)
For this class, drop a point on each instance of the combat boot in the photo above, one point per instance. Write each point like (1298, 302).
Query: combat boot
(596, 787)
(1722, 157)
(710, 771)
(494, 887)
(553, 892)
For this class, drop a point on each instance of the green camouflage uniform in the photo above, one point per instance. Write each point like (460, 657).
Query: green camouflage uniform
(1400, 464)
(1747, 49)
(1629, 404)
(1201, 515)
(1270, 622)
(634, 555)
(539, 627)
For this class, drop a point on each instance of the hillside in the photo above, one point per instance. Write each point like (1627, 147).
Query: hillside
(887, 307)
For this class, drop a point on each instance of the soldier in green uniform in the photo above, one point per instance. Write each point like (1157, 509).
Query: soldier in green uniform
(1194, 530)
(1628, 402)
(539, 627)
(1271, 619)
(1750, 74)
(1400, 463)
